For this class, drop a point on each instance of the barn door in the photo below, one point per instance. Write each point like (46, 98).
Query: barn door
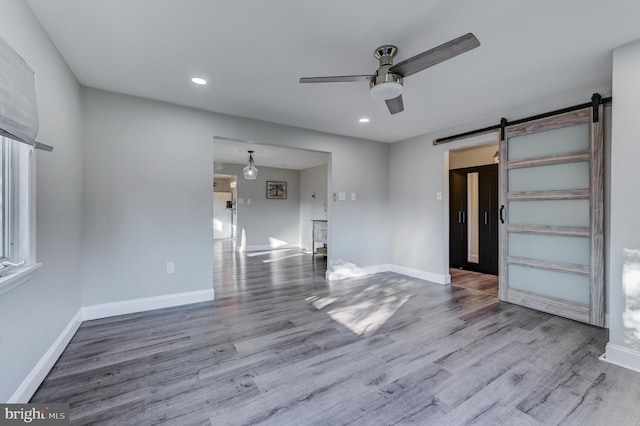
(551, 215)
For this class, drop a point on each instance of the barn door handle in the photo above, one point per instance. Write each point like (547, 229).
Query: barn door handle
(459, 216)
(501, 214)
(486, 218)
(464, 217)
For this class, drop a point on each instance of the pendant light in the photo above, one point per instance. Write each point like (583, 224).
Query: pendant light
(250, 171)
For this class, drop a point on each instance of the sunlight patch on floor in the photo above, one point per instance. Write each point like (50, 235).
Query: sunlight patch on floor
(367, 311)
(282, 258)
(266, 252)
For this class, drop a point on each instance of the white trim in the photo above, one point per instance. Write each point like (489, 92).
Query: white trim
(267, 247)
(422, 275)
(376, 269)
(622, 357)
(349, 270)
(338, 274)
(17, 277)
(30, 384)
(145, 304)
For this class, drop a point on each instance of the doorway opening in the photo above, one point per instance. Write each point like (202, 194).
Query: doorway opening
(224, 206)
(275, 213)
(473, 217)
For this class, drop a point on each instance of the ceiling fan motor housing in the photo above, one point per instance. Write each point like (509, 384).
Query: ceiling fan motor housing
(380, 90)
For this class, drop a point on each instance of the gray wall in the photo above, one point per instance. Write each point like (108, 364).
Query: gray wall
(263, 220)
(222, 185)
(624, 233)
(147, 194)
(33, 315)
(418, 171)
(312, 181)
(147, 198)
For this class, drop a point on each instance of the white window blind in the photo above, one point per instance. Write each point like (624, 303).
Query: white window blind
(18, 102)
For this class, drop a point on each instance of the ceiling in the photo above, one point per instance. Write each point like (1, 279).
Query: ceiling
(549, 53)
(236, 152)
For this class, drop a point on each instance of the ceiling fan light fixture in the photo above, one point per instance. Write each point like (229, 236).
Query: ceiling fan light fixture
(385, 91)
(250, 171)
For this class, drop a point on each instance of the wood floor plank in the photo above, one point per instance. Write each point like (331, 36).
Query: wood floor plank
(281, 345)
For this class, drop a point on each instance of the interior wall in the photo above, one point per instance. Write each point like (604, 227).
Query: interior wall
(222, 184)
(266, 223)
(479, 156)
(148, 194)
(624, 300)
(313, 181)
(33, 315)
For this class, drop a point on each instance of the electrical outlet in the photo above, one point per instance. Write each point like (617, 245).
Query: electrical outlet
(171, 268)
(342, 196)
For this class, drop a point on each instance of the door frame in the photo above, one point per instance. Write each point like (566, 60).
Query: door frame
(467, 265)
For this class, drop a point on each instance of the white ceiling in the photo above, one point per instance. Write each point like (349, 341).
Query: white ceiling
(236, 152)
(253, 52)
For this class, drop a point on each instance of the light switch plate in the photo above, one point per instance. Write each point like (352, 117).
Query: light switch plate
(438, 195)
(342, 196)
(353, 196)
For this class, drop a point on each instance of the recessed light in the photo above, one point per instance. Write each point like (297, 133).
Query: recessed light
(364, 120)
(198, 80)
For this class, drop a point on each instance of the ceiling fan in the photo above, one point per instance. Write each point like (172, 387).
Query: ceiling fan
(386, 83)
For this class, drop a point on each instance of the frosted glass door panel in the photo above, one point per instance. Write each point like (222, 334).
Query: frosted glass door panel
(547, 178)
(559, 285)
(551, 204)
(550, 142)
(550, 247)
(549, 212)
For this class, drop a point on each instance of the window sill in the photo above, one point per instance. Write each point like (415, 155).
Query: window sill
(17, 277)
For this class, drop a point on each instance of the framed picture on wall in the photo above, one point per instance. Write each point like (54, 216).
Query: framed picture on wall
(276, 190)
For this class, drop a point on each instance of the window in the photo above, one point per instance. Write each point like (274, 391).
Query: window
(18, 130)
(17, 254)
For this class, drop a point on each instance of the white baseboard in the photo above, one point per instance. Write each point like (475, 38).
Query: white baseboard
(146, 304)
(30, 384)
(376, 269)
(422, 275)
(622, 357)
(351, 271)
(33, 380)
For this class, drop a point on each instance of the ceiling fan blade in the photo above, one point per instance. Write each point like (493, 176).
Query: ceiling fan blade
(436, 55)
(336, 79)
(395, 105)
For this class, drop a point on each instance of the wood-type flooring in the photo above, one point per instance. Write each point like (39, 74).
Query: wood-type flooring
(474, 280)
(282, 346)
